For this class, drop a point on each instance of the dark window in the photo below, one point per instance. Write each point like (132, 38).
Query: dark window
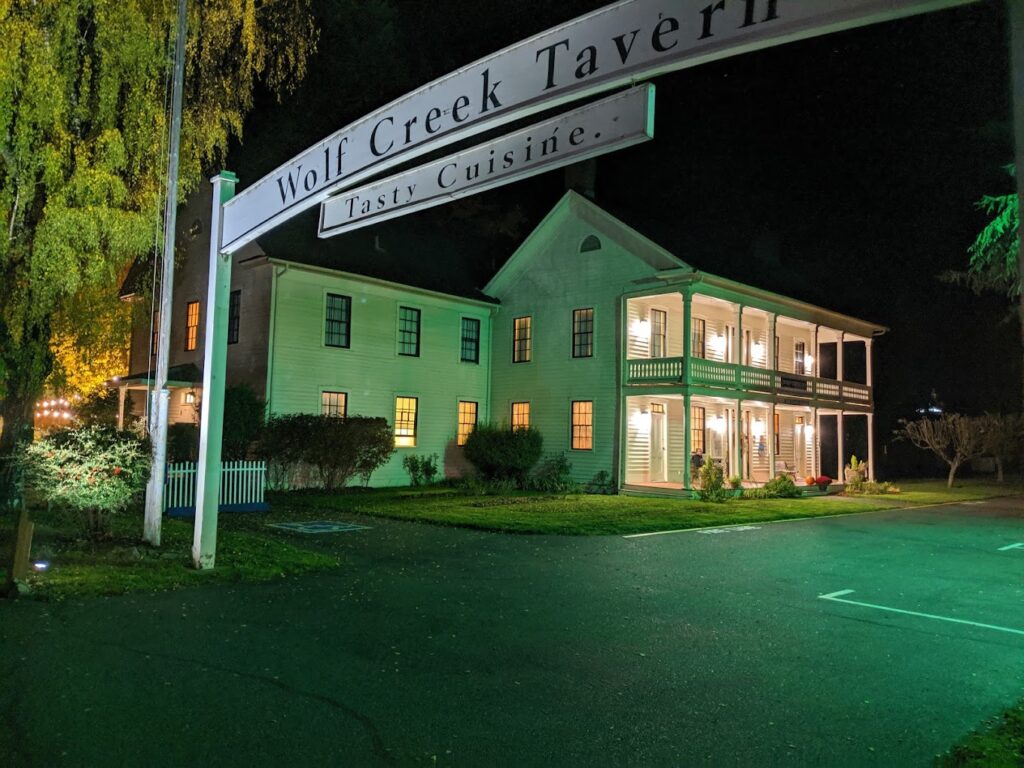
(583, 333)
(234, 316)
(582, 425)
(191, 325)
(697, 425)
(659, 329)
(522, 339)
(698, 338)
(334, 404)
(590, 243)
(470, 340)
(778, 447)
(408, 331)
(338, 321)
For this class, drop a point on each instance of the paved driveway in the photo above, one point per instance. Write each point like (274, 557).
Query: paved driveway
(453, 647)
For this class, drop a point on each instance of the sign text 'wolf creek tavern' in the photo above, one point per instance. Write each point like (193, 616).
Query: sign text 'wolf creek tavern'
(608, 48)
(612, 123)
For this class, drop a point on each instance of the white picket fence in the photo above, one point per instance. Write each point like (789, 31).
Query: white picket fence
(241, 484)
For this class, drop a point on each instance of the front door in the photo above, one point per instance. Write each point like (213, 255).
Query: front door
(659, 444)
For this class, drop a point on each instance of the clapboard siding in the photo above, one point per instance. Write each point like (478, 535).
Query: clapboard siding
(371, 371)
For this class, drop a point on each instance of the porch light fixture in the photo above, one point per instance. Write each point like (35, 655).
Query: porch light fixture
(808, 431)
(809, 362)
(718, 425)
(757, 351)
(717, 344)
(642, 421)
(641, 328)
(757, 428)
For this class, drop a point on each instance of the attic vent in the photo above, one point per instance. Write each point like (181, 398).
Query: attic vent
(590, 243)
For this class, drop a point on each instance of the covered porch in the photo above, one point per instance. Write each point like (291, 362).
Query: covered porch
(668, 437)
(185, 383)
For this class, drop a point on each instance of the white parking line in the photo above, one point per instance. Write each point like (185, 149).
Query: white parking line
(1018, 545)
(837, 597)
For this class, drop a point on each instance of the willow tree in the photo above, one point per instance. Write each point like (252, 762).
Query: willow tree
(83, 124)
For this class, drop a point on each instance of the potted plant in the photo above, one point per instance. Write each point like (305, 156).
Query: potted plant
(856, 471)
(823, 482)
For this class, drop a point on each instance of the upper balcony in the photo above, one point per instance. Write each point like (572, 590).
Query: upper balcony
(677, 338)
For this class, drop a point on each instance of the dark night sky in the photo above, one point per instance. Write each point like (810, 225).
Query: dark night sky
(841, 171)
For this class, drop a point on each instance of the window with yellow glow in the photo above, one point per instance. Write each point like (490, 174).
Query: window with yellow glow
(467, 420)
(334, 404)
(522, 339)
(191, 325)
(582, 425)
(405, 421)
(520, 416)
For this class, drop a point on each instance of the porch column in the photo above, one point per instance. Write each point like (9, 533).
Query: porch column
(122, 392)
(770, 430)
(839, 356)
(868, 351)
(737, 440)
(772, 357)
(816, 454)
(687, 442)
(817, 354)
(687, 328)
(871, 447)
(840, 477)
(739, 337)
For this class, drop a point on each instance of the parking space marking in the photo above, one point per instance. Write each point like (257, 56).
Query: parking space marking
(1018, 545)
(838, 597)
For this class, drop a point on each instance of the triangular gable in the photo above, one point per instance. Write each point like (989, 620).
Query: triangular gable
(574, 205)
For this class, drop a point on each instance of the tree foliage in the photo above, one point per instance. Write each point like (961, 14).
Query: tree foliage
(952, 437)
(1002, 436)
(83, 121)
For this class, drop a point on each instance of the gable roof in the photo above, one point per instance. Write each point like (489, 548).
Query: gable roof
(573, 205)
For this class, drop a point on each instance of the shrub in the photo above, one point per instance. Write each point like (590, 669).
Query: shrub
(93, 471)
(182, 442)
(735, 482)
(554, 475)
(782, 487)
(711, 483)
(422, 469)
(601, 483)
(305, 449)
(100, 408)
(871, 488)
(244, 416)
(499, 453)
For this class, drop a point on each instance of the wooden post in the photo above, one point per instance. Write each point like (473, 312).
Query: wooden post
(22, 550)
(871, 447)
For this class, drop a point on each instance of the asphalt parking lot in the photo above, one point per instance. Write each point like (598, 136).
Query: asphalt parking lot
(875, 639)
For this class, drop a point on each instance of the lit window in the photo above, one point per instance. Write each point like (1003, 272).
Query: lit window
(800, 358)
(234, 316)
(522, 339)
(697, 424)
(334, 404)
(520, 416)
(190, 397)
(659, 328)
(582, 425)
(191, 325)
(583, 332)
(467, 420)
(337, 321)
(470, 340)
(405, 421)
(698, 337)
(408, 331)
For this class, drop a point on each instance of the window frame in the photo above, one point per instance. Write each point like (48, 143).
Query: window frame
(512, 414)
(698, 430)
(234, 315)
(800, 357)
(344, 323)
(582, 431)
(578, 334)
(344, 403)
(463, 338)
(699, 330)
(661, 336)
(191, 328)
(418, 330)
(524, 345)
(460, 436)
(415, 421)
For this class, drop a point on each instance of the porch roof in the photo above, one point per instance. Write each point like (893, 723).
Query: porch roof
(178, 377)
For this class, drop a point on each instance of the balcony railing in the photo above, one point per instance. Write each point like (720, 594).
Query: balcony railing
(711, 373)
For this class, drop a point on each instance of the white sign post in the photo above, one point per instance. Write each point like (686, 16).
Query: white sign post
(605, 126)
(617, 45)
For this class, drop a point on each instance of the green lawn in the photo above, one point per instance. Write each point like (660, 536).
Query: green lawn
(249, 551)
(999, 745)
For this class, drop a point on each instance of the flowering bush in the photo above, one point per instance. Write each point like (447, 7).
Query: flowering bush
(94, 471)
(823, 481)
